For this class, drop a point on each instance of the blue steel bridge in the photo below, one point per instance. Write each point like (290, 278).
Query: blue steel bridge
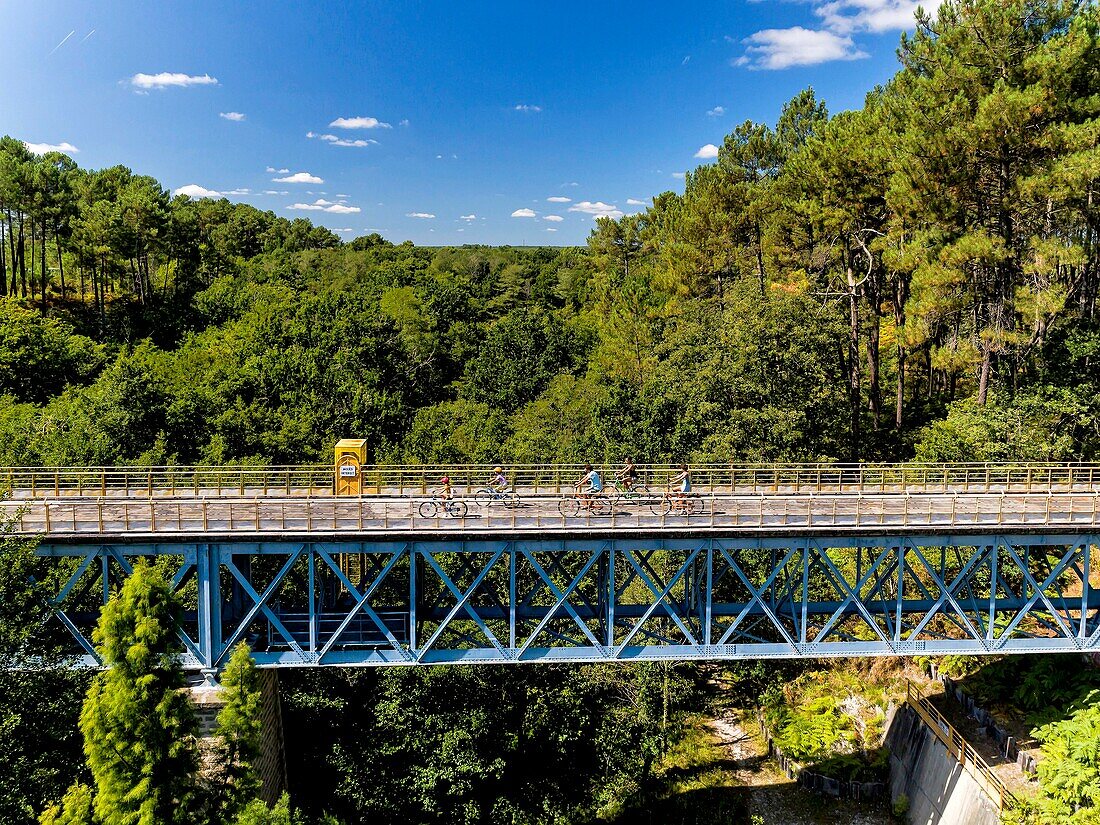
(773, 562)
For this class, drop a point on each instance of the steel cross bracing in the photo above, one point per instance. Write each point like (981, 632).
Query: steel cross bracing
(535, 599)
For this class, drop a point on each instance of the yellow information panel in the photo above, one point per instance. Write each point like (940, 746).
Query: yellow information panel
(351, 455)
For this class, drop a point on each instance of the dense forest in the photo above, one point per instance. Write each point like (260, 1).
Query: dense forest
(914, 280)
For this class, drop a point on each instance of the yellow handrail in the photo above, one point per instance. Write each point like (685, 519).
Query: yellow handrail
(534, 479)
(957, 746)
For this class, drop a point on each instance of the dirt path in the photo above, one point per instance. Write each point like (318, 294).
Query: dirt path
(772, 796)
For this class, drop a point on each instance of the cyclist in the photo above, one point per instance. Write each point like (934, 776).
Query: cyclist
(592, 479)
(683, 478)
(500, 481)
(445, 492)
(628, 474)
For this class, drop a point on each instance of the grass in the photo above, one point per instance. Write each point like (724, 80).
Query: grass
(695, 784)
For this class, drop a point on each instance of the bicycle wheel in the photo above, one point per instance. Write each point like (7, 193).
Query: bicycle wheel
(456, 508)
(483, 497)
(600, 506)
(692, 505)
(510, 499)
(569, 507)
(661, 506)
(428, 509)
(614, 494)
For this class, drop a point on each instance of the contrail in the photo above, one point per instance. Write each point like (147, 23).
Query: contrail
(62, 43)
(89, 34)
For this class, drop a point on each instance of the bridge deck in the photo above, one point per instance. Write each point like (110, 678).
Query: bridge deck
(189, 517)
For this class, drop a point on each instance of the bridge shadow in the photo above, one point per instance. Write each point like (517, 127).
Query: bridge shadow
(701, 806)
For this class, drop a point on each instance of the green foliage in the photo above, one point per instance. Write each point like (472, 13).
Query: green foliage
(257, 813)
(519, 355)
(901, 806)
(75, 808)
(138, 726)
(1069, 772)
(40, 356)
(1041, 424)
(811, 731)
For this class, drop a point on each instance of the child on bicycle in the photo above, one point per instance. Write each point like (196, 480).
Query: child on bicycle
(628, 474)
(500, 481)
(445, 492)
(683, 479)
(592, 479)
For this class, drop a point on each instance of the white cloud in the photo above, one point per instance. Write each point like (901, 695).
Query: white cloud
(299, 177)
(193, 190)
(717, 111)
(163, 80)
(526, 107)
(796, 46)
(684, 62)
(551, 229)
(278, 171)
(470, 217)
(559, 199)
(236, 117)
(524, 213)
(635, 202)
(708, 152)
(321, 205)
(333, 140)
(359, 123)
(44, 148)
(599, 209)
(425, 215)
(274, 192)
(238, 191)
(404, 122)
(679, 175)
(343, 230)
(553, 218)
(846, 16)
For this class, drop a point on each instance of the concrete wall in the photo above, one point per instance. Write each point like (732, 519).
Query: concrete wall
(940, 792)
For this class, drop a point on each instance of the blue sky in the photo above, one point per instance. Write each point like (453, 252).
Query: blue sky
(440, 123)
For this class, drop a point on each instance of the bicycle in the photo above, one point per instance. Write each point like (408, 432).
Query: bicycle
(676, 503)
(597, 504)
(452, 507)
(618, 493)
(487, 495)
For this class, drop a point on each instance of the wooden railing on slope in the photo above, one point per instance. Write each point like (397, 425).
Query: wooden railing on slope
(970, 760)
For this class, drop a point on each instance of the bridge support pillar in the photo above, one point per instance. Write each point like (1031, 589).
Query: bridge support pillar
(208, 579)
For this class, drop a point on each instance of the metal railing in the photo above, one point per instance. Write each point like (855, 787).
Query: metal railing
(789, 512)
(970, 760)
(538, 479)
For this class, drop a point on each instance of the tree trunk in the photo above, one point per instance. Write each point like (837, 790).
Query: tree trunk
(60, 261)
(853, 365)
(983, 379)
(874, 390)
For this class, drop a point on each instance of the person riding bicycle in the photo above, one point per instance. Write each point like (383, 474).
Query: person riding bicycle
(683, 479)
(500, 481)
(628, 474)
(445, 491)
(592, 479)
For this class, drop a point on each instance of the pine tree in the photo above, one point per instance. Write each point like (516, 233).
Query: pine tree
(138, 725)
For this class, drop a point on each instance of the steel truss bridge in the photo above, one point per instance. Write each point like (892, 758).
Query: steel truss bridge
(772, 562)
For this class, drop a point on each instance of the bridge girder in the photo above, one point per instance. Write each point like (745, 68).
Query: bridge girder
(443, 601)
